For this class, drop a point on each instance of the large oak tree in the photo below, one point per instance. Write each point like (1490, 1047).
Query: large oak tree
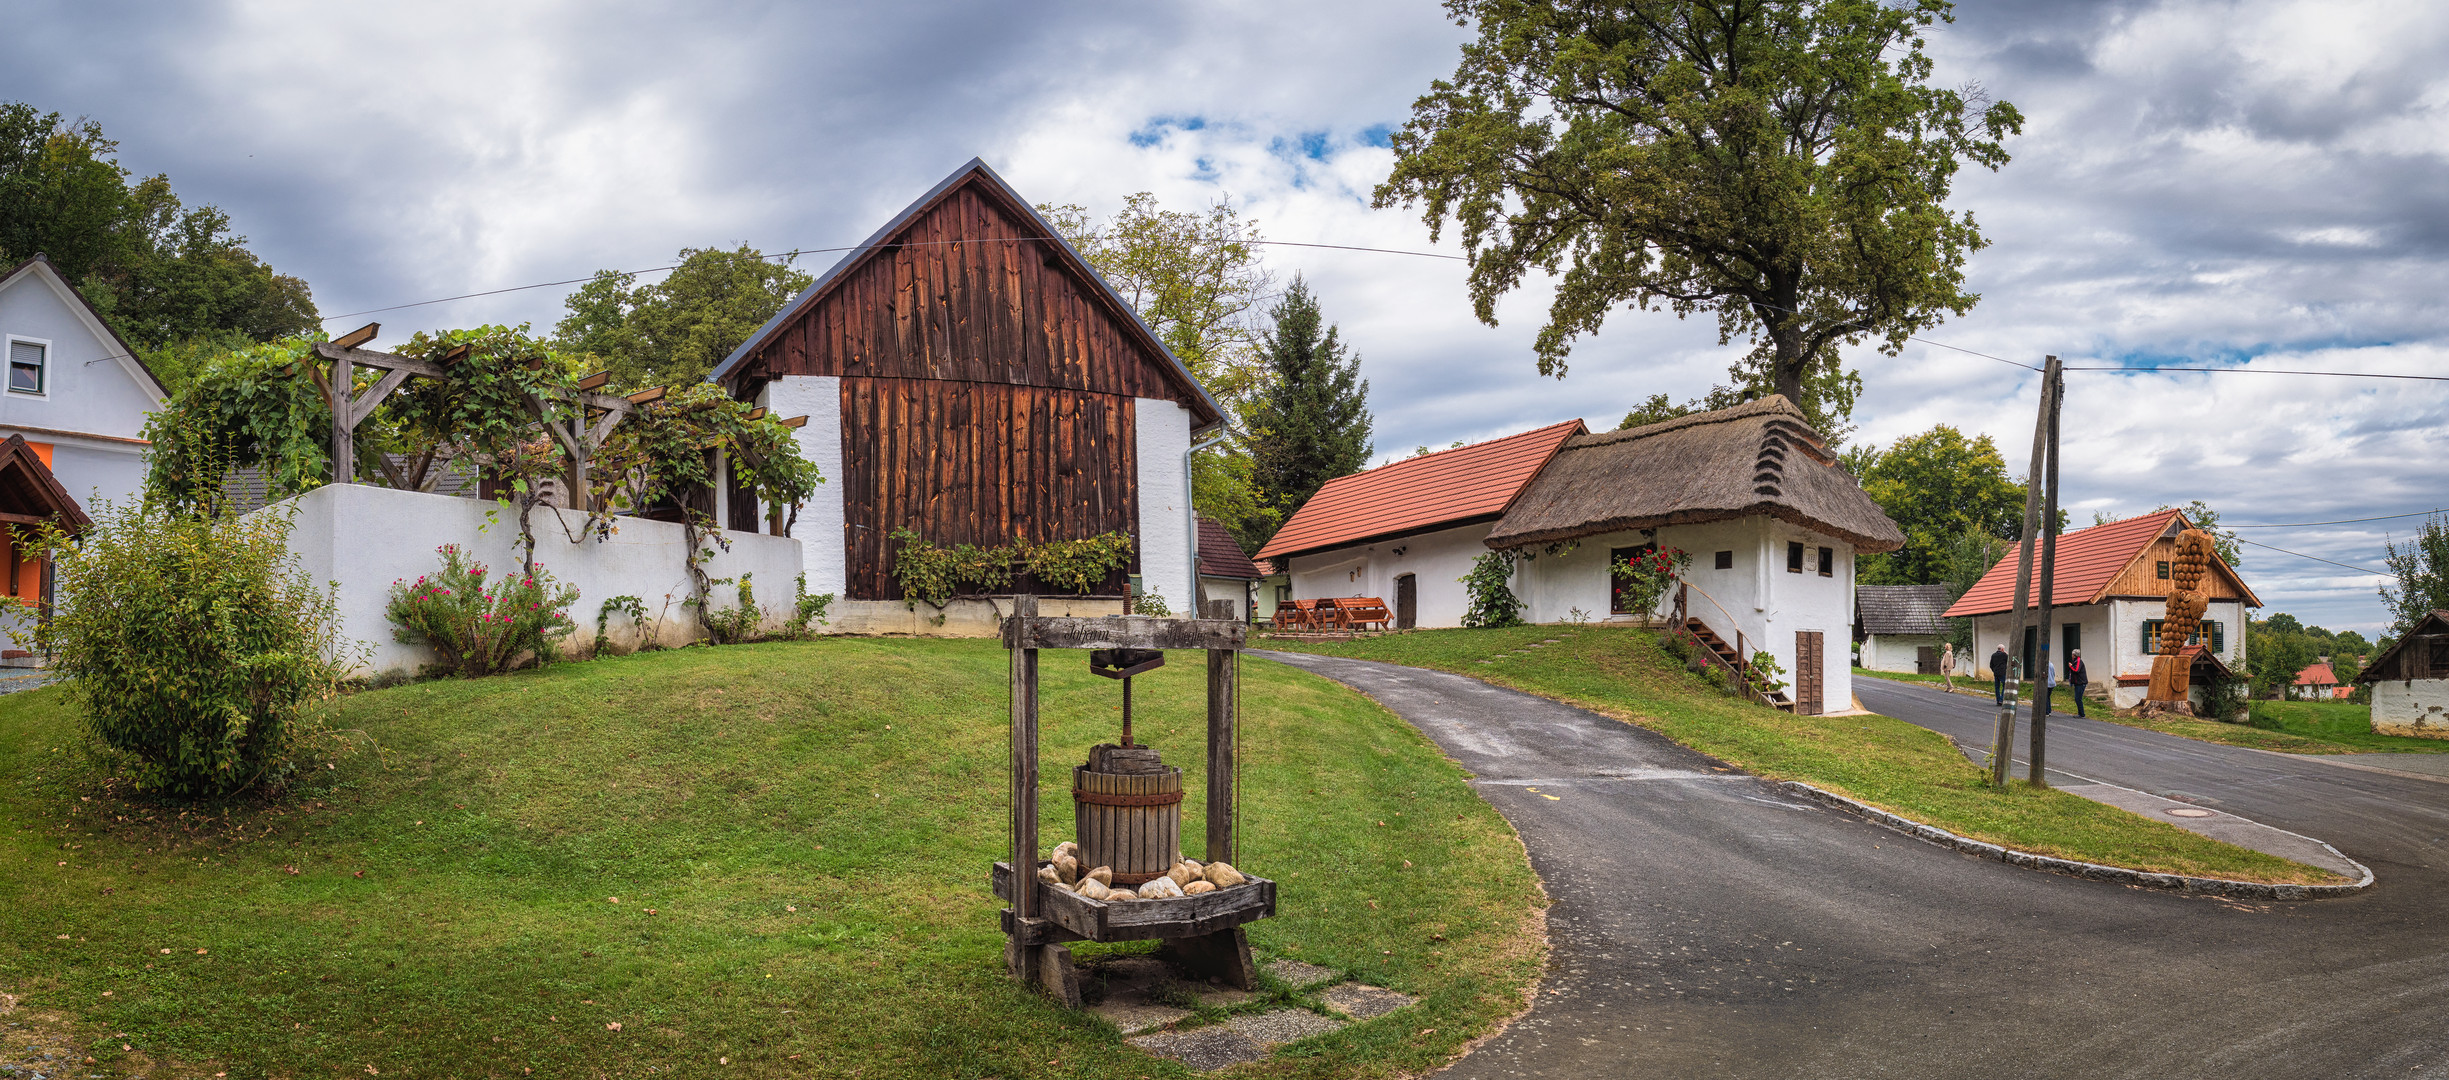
(1782, 164)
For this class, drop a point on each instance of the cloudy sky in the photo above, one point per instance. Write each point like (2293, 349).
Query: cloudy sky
(2249, 185)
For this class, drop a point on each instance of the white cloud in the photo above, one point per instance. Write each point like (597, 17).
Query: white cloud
(2249, 183)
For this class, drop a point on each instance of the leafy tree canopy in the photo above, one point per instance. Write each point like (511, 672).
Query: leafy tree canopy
(173, 280)
(2422, 569)
(1781, 164)
(1194, 276)
(1310, 423)
(1936, 486)
(673, 332)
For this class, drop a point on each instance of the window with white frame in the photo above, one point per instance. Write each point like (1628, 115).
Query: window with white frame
(27, 366)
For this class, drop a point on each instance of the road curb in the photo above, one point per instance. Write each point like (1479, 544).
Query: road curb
(2118, 875)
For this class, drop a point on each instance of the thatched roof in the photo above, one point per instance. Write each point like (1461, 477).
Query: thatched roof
(1756, 458)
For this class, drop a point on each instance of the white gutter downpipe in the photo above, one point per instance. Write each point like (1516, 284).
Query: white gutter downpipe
(1190, 518)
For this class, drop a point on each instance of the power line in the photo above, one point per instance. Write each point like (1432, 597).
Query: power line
(793, 254)
(2146, 369)
(2347, 521)
(2315, 558)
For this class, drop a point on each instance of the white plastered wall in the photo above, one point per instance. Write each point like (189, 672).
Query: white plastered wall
(819, 530)
(2411, 707)
(363, 539)
(1161, 436)
(1898, 652)
(1437, 561)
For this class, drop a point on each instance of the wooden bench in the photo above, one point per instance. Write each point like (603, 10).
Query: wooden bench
(1356, 612)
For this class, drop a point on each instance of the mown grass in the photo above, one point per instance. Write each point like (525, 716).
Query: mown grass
(2289, 727)
(799, 836)
(1910, 770)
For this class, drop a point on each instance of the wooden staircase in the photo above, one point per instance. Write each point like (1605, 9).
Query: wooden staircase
(1732, 658)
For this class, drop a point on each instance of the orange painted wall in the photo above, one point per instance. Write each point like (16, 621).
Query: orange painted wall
(29, 583)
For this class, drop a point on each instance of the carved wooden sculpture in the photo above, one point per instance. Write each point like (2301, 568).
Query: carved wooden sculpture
(2171, 670)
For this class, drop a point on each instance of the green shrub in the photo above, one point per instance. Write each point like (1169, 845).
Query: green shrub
(744, 619)
(937, 574)
(477, 628)
(192, 645)
(805, 611)
(625, 605)
(1490, 586)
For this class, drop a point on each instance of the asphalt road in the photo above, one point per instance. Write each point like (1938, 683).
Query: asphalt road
(1706, 924)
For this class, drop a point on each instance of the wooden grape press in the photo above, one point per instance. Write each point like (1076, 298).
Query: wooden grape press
(1128, 809)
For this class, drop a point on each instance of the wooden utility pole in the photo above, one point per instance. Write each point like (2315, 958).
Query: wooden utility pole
(2055, 377)
(2003, 749)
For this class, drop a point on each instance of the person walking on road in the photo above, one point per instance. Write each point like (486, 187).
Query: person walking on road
(1998, 672)
(1947, 667)
(2076, 677)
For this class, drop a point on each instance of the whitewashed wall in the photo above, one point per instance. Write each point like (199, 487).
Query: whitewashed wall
(1161, 437)
(365, 538)
(1437, 561)
(1898, 652)
(2411, 707)
(819, 530)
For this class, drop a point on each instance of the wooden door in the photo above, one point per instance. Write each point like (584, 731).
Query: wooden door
(1926, 660)
(1407, 601)
(1808, 695)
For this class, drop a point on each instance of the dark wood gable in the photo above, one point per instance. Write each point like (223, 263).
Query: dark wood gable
(970, 288)
(987, 377)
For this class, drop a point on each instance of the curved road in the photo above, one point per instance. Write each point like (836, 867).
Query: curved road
(1707, 925)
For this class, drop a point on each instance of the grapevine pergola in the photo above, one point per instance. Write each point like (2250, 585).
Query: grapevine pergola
(580, 435)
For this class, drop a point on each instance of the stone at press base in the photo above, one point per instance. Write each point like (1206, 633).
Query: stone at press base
(1067, 868)
(1092, 888)
(1163, 888)
(1047, 875)
(1197, 869)
(1197, 887)
(1066, 848)
(1181, 874)
(1104, 875)
(1223, 876)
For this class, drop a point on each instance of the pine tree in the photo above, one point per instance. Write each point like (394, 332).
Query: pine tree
(1311, 423)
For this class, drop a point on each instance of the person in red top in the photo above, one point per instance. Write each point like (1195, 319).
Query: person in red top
(2076, 676)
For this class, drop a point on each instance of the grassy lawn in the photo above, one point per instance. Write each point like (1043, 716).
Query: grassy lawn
(1906, 769)
(2289, 727)
(799, 836)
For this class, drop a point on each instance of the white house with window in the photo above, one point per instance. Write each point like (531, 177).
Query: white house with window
(75, 391)
(2111, 595)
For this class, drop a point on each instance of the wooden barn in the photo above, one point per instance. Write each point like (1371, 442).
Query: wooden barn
(969, 376)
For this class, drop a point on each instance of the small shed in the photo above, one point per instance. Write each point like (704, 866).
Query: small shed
(1900, 627)
(2410, 681)
(1225, 570)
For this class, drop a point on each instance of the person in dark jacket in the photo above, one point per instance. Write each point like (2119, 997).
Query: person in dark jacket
(2076, 676)
(1999, 666)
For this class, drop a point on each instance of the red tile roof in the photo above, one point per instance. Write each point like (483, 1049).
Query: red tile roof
(2318, 675)
(2089, 561)
(1449, 486)
(1220, 555)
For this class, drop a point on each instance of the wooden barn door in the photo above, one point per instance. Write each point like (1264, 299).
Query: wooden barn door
(1407, 601)
(1925, 660)
(1808, 695)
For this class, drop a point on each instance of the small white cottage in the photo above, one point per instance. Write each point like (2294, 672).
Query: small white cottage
(2111, 593)
(1900, 627)
(1771, 520)
(2410, 681)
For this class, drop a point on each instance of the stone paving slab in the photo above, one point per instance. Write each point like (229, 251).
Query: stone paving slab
(1363, 1002)
(1283, 1025)
(1298, 974)
(1205, 1049)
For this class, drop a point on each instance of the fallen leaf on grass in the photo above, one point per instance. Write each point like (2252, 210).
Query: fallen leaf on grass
(199, 952)
(650, 911)
(361, 873)
(613, 1026)
(290, 869)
